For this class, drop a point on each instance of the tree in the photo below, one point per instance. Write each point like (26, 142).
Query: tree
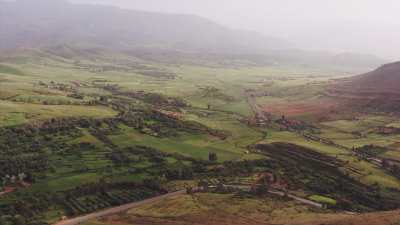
(203, 185)
(385, 163)
(263, 187)
(19, 220)
(212, 156)
(189, 190)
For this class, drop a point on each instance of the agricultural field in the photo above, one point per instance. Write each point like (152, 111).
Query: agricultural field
(82, 135)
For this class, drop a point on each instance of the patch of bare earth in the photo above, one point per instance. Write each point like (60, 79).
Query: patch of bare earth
(379, 218)
(230, 209)
(317, 108)
(209, 218)
(221, 218)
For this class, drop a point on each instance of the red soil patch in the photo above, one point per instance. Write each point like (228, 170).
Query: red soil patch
(7, 190)
(317, 108)
(175, 115)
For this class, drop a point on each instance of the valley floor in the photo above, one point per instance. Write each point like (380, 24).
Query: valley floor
(94, 133)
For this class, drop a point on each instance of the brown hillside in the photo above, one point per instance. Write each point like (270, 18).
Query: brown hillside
(384, 79)
(215, 209)
(381, 218)
(379, 89)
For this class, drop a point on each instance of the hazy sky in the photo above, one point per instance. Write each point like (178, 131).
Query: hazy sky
(364, 26)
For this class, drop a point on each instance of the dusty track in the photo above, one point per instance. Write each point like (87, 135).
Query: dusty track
(115, 210)
(282, 194)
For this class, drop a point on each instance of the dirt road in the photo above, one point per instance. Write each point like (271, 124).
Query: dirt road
(115, 210)
(301, 200)
(251, 100)
(281, 193)
(8, 190)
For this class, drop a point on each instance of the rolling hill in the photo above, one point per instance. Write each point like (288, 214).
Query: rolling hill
(385, 79)
(378, 89)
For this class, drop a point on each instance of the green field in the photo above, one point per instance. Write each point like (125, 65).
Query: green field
(71, 127)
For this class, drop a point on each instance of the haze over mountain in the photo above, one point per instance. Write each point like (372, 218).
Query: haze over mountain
(50, 23)
(363, 26)
(26, 23)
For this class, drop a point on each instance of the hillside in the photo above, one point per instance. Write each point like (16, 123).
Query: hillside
(378, 89)
(47, 22)
(227, 210)
(385, 79)
(53, 24)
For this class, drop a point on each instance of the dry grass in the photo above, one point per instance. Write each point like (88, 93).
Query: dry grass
(215, 209)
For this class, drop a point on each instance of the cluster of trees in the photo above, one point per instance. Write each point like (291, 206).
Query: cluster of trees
(127, 67)
(318, 173)
(153, 99)
(52, 101)
(76, 95)
(295, 125)
(27, 151)
(26, 210)
(104, 186)
(179, 172)
(26, 156)
(368, 151)
(162, 125)
(212, 156)
(29, 206)
(13, 166)
(97, 201)
(151, 120)
(176, 171)
(392, 166)
(157, 73)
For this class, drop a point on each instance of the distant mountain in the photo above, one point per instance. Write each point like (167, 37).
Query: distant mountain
(67, 29)
(37, 23)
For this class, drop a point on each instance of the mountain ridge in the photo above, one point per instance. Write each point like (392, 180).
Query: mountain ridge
(48, 24)
(41, 23)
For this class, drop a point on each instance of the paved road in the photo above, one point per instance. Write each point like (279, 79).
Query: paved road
(115, 210)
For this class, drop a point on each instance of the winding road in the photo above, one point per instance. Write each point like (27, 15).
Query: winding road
(118, 209)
